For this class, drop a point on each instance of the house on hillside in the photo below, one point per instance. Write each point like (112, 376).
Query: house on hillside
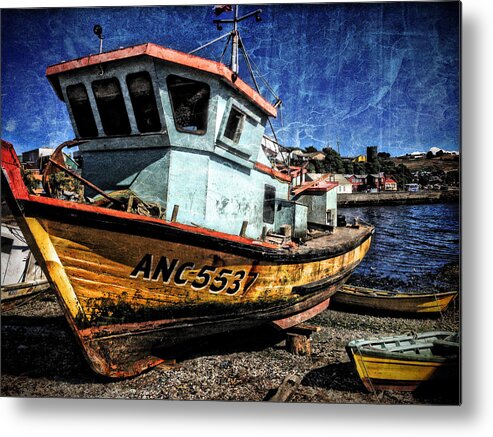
(390, 184)
(37, 158)
(307, 156)
(357, 181)
(416, 155)
(376, 181)
(360, 158)
(344, 187)
(314, 156)
(413, 188)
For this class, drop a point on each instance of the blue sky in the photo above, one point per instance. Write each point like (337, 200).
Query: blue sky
(367, 74)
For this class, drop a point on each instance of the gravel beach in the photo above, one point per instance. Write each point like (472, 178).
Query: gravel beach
(40, 358)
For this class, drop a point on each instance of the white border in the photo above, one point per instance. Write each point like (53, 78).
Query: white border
(63, 417)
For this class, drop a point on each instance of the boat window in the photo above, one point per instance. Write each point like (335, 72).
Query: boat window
(111, 106)
(143, 102)
(7, 244)
(82, 111)
(190, 101)
(234, 126)
(269, 203)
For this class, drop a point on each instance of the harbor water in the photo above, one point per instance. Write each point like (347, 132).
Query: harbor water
(411, 241)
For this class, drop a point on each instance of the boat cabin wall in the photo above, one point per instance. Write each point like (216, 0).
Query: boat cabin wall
(124, 147)
(113, 100)
(322, 207)
(203, 156)
(205, 113)
(293, 214)
(179, 106)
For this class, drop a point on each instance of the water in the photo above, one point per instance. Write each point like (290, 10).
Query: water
(410, 241)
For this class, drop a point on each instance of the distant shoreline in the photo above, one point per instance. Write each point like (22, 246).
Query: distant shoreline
(397, 198)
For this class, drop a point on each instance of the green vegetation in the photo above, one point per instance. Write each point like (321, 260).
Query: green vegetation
(29, 180)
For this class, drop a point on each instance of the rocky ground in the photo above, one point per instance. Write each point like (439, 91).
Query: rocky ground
(40, 358)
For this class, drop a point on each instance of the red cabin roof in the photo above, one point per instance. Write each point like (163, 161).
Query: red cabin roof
(164, 54)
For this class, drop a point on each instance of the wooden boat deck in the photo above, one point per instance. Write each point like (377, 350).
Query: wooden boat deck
(338, 240)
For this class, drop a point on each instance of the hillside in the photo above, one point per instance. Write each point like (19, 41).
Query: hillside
(443, 163)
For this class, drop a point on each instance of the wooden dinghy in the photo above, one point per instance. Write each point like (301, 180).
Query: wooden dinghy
(15, 295)
(395, 302)
(22, 278)
(405, 362)
(228, 247)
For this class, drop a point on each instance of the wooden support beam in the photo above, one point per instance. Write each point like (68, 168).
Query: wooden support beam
(244, 226)
(304, 329)
(298, 344)
(285, 391)
(168, 364)
(174, 214)
(264, 233)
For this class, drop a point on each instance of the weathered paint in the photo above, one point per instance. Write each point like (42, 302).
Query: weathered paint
(296, 319)
(16, 295)
(403, 375)
(128, 283)
(215, 182)
(318, 205)
(380, 300)
(17, 262)
(107, 279)
(168, 55)
(404, 362)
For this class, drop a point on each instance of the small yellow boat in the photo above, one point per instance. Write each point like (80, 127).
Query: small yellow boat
(369, 299)
(405, 362)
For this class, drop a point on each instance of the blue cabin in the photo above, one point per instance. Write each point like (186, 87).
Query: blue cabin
(179, 131)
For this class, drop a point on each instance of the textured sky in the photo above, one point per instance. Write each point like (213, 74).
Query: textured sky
(367, 74)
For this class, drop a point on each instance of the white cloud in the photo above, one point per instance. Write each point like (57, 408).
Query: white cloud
(10, 125)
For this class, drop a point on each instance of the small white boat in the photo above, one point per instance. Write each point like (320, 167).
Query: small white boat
(22, 277)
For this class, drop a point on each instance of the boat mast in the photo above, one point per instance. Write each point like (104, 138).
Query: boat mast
(235, 34)
(237, 44)
(234, 49)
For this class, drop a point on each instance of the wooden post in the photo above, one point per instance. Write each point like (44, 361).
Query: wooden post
(286, 389)
(244, 226)
(298, 344)
(174, 215)
(130, 203)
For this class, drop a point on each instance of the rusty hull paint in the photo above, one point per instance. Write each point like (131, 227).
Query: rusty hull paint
(296, 319)
(94, 283)
(89, 267)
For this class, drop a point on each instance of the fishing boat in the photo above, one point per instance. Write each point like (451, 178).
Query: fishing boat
(22, 278)
(352, 297)
(186, 228)
(405, 362)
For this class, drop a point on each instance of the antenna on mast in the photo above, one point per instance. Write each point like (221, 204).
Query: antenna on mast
(98, 30)
(237, 45)
(234, 35)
